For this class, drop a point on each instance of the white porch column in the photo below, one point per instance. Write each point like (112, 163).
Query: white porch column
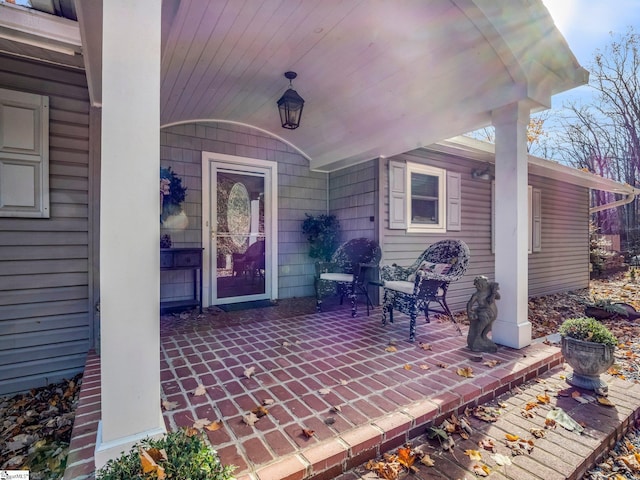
(130, 227)
(512, 328)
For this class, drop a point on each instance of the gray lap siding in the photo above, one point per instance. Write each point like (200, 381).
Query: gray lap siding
(46, 324)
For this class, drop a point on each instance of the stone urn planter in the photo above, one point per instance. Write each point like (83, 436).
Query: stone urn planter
(588, 360)
(588, 347)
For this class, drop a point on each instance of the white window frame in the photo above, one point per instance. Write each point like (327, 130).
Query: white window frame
(441, 174)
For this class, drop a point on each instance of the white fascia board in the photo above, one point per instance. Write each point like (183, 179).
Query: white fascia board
(485, 152)
(38, 28)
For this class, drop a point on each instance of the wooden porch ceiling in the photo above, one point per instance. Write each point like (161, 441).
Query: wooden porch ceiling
(378, 77)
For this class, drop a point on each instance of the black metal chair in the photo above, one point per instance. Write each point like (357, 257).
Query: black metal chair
(412, 289)
(346, 274)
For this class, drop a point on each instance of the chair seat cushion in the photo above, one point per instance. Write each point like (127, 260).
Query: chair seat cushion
(406, 287)
(400, 286)
(337, 277)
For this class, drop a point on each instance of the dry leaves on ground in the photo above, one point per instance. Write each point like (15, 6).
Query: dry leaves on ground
(36, 429)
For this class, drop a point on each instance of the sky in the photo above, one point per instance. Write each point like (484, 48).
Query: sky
(586, 25)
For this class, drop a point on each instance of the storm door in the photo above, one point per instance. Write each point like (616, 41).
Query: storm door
(240, 224)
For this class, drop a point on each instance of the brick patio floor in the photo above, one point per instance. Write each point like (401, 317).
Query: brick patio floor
(385, 397)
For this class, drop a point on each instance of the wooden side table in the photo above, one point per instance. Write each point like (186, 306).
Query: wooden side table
(183, 259)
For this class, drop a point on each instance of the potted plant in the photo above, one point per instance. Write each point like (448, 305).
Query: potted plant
(323, 233)
(588, 347)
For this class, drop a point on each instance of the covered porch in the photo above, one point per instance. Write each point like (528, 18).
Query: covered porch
(307, 363)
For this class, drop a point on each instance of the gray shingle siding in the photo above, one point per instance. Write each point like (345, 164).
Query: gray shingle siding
(46, 324)
(300, 191)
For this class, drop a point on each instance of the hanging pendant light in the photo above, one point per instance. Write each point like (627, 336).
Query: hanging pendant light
(290, 105)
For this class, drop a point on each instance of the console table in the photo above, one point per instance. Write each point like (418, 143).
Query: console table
(183, 259)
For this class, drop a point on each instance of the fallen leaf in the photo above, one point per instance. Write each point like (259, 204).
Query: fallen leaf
(427, 461)
(631, 461)
(605, 401)
(343, 382)
(531, 405)
(466, 372)
(492, 363)
(537, 432)
(190, 431)
(201, 423)
(433, 432)
(407, 366)
(213, 426)
(487, 414)
(473, 454)
(268, 401)
(443, 365)
(168, 406)
(200, 390)
(250, 372)
(260, 411)
(543, 398)
(149, 465)
(562, 418)
(286, 344)
(307, 433)
(527, 413)
(391, 349)
(465, 426)
(481, 470)
(250, 419)
(425, 346)
(448, 426)
(511, 438)
(424, 367)
(335, 409)
(501, 459)
(324, 391)
(487, 444)
(405, 457)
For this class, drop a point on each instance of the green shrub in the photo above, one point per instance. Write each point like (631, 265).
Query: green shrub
(323, 233)
(188, 458)
(588, 330)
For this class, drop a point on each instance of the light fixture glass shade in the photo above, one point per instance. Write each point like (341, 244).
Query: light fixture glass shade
(290, 106)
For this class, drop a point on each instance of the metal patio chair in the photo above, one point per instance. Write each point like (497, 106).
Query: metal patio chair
(412, 289)
(346, 274)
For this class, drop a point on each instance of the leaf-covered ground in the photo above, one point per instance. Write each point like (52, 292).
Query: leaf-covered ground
(35, 429)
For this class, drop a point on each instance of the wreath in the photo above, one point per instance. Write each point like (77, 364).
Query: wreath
(172, 193)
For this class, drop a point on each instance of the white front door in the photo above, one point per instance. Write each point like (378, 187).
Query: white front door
(239, 229)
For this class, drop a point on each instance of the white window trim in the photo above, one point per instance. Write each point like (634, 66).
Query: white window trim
(441, 173)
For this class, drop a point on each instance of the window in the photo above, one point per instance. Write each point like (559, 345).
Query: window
(423, 198)
(24, 155)
(426, 200)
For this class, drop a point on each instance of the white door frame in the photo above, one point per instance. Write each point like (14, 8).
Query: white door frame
(271, 209)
